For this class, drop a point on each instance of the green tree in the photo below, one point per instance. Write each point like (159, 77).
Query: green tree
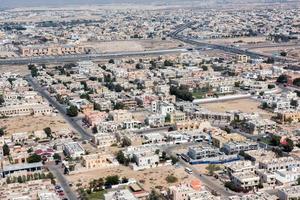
(111, 61)
(119, 106)
(289, 146)
(282, 79)
(2, 101)
(6, 150)
(171, 179)
(154, 196)
(48, 132)
(72, 111)
(126, 142)
(121, 158)
(205, 68)
(56, 156)
(157, 151)
(20, 180)
(211, 168)
(283, 53)
(1, 132)
(34, 158)
(296, 82)
(271, 86)
(275, 140)
(182, 93)
(112, 180)
(174, 160)
(168, 63)
(294, 103)
(168, 118)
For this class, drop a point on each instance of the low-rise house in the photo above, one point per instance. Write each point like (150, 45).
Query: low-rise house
(97, 160)
(274, 164)
(289, 193)
(240, 166)
(267, 179)
(73, 149)
(245, 180)
(222, 138)
(104, 139)
(234, 147)
(120, 194)
(94, 118)
(145, 160)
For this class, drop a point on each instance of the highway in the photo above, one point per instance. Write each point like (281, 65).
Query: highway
(231, 49)
(83, 57)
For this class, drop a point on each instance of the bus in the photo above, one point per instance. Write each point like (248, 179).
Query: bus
(188, 170)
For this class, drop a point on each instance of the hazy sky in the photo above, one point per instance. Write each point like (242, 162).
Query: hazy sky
(18, 3)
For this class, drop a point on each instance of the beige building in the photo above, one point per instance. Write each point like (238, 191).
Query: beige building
(120, 116)
(192, 125)
(104, 139)
(220, 139)
(177, 116)
(98, 160)
(28, 190)
(288, 116)
(50, 50)
(26, 109)
(245, 180)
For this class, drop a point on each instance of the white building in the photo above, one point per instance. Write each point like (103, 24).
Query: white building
(289, 193)
(73, 149)
(120, 195)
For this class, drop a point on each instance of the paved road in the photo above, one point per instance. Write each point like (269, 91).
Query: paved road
(210, 182)
(82, 57)
(57, 172)
(231, 49)
(55, 169)
(72, 122)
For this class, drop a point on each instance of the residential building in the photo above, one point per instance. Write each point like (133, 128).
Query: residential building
(234, 147)
(97, 160)
(289, 193)
(120, 194)
(245, 180)
(73, 149)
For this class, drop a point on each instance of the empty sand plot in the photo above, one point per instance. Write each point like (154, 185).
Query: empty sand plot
(243, 105)
(149, 178)
(31, 123)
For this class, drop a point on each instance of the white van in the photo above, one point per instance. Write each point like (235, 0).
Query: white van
(188, 170)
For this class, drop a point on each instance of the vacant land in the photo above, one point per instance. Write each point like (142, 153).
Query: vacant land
(150, 178)
(243, 105)
(133, 45)
(238, 40)
(32, 123)
(17, 69)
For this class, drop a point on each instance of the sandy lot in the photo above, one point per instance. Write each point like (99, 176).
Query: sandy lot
(132, 45)
(149, 178)
(18, 69)
(244, 105)
(31, 123)
(244, 40)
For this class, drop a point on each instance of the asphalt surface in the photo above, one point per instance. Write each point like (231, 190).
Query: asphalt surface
(57, 172)
(55, 169)
(83, 57)
(72, 122)
(210, 182)
(231, 49)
